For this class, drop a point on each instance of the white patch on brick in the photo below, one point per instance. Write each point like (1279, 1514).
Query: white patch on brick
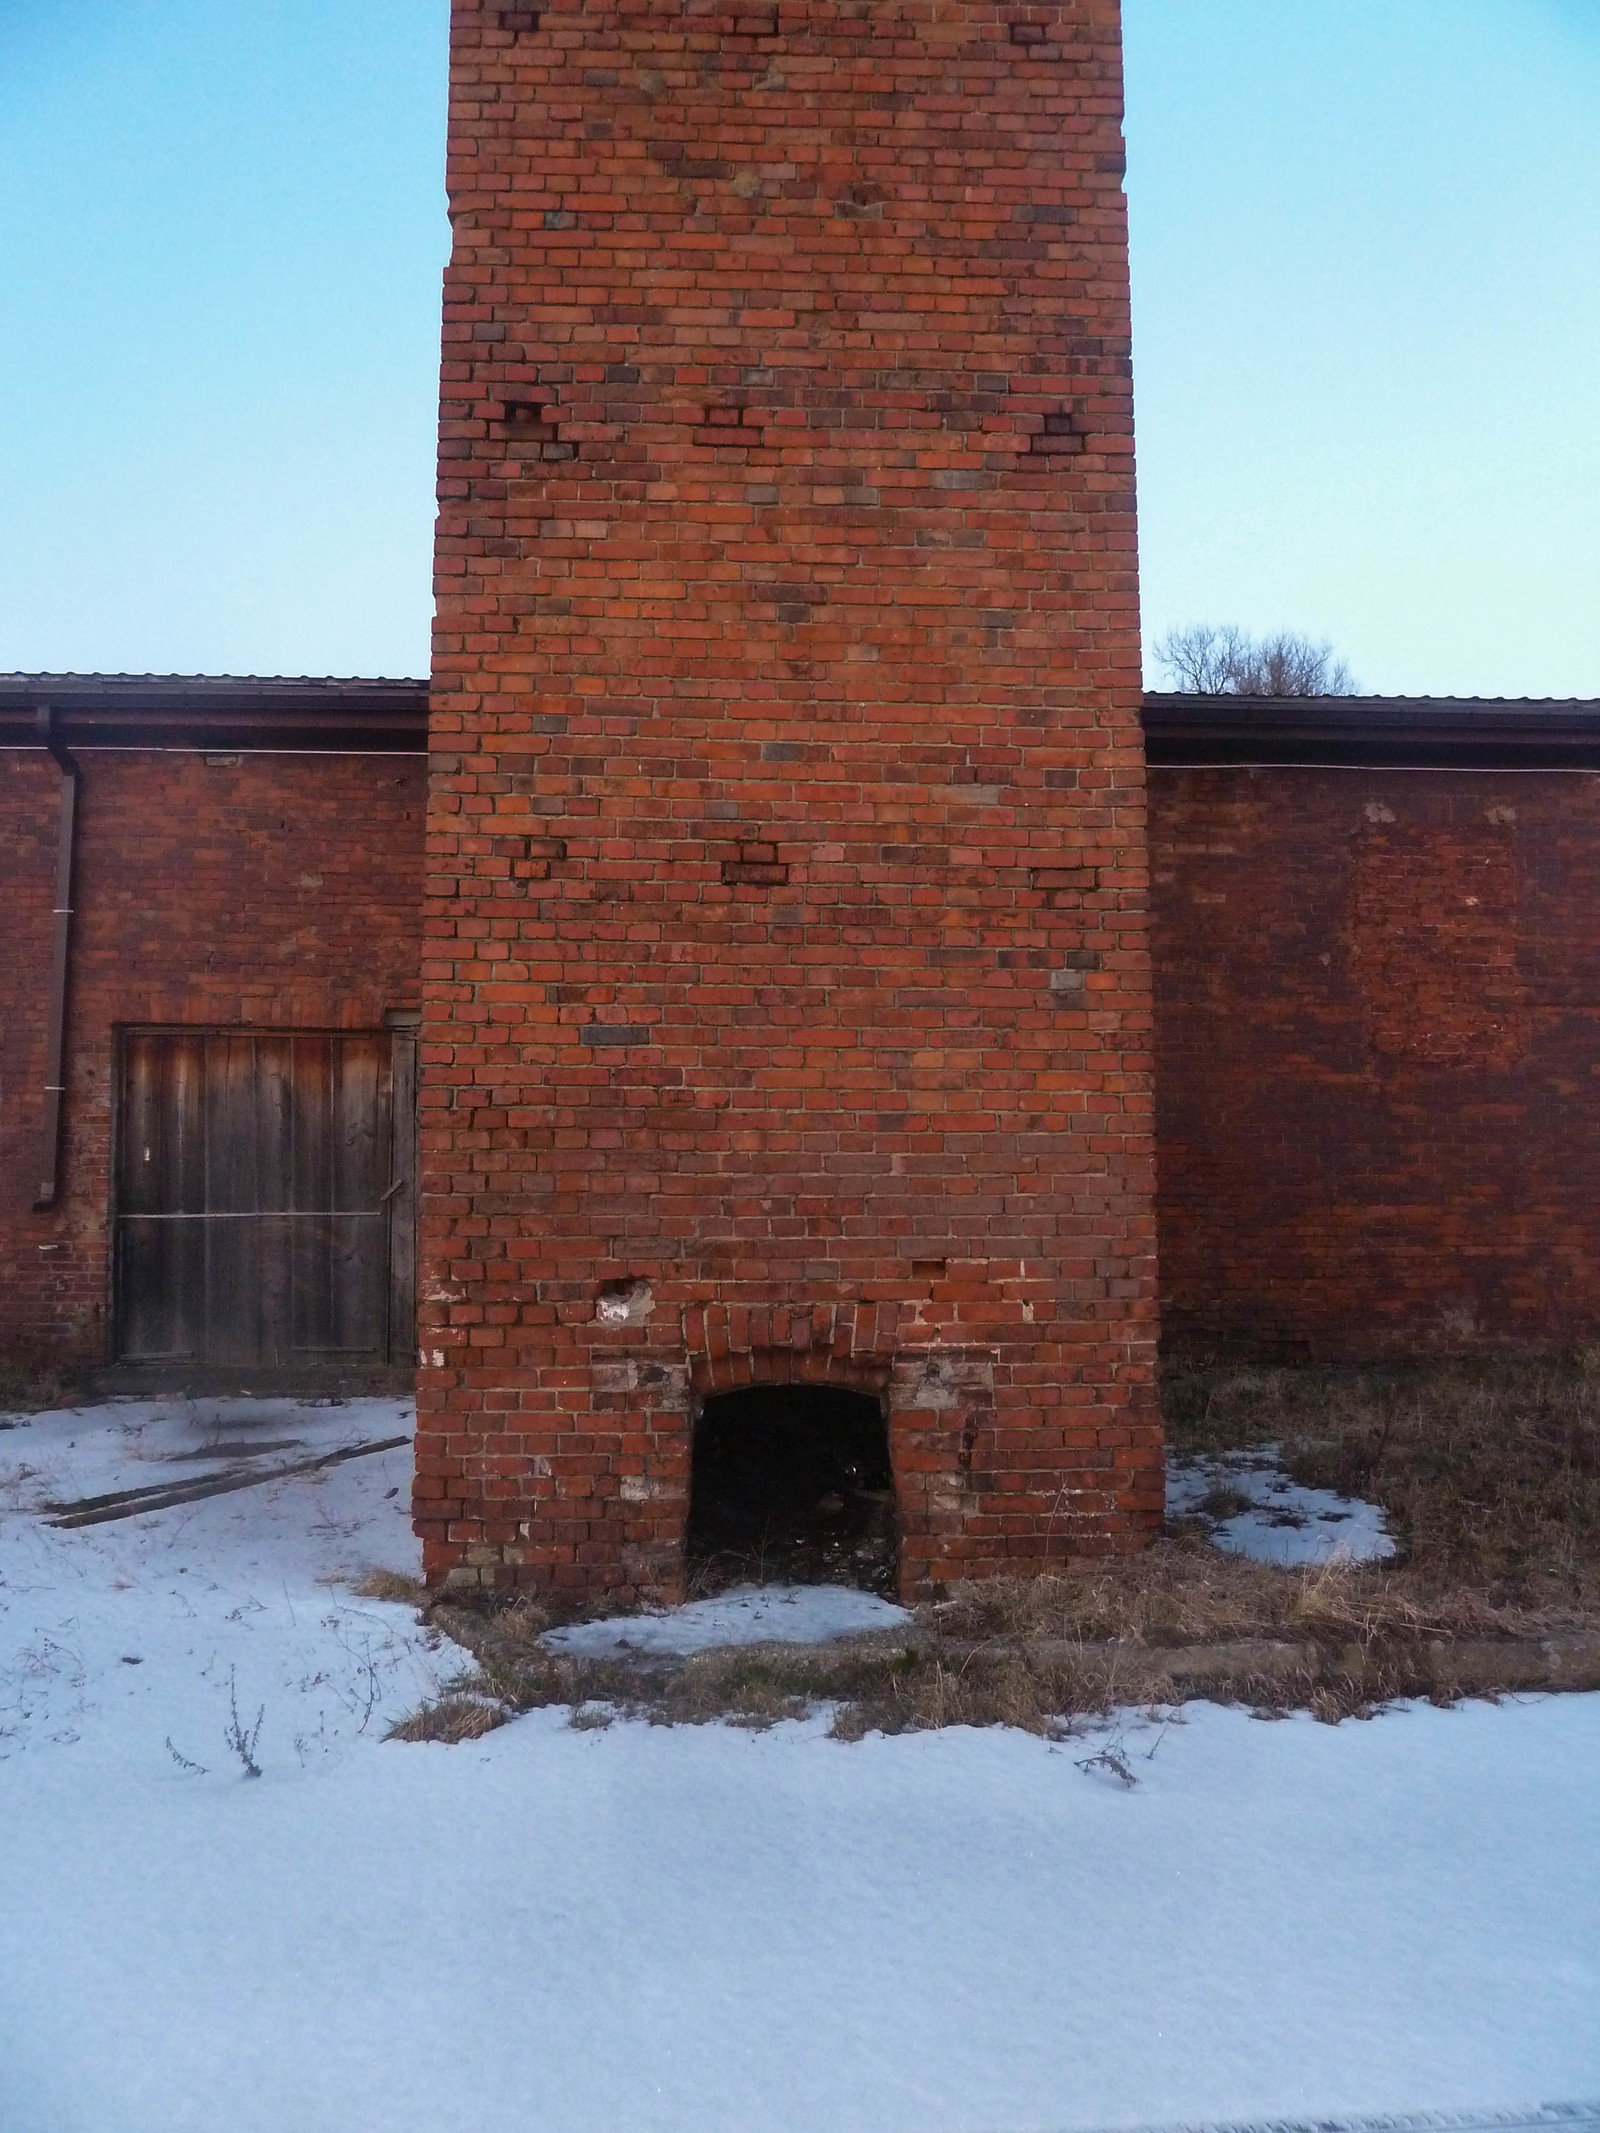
(941, 1382)
(624, 1303)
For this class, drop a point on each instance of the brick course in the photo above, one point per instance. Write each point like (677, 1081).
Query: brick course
(262, 890)
(787, 1004)
(1378, 1034)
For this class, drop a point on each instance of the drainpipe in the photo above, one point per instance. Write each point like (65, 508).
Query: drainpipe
(71, 777)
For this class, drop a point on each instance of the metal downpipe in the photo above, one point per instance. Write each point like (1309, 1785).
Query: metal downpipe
(60, 951)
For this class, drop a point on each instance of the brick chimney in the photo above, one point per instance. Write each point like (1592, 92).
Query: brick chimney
(787, 999)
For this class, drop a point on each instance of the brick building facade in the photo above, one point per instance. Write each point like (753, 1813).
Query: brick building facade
(1373, 924)
(781, 941)
(1377, 1012)
(787, 1006)
(248, 859)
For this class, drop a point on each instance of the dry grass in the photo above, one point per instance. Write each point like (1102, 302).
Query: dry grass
(916, 1682)
(1489, 1472)
(392, 1585)
(28, 1388)
(1046, 1653)
(889, 1685)
(1182, 1591)
(1490, 1475)
(451, 1719)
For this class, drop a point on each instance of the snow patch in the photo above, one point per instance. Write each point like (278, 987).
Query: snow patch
(1284, 1523)
(135, 1641)
(69, 1453)
(746, 1614)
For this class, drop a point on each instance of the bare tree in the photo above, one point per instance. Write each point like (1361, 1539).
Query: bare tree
(1203, 661)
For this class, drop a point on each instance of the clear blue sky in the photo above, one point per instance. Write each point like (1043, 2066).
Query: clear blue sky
(1366, 328)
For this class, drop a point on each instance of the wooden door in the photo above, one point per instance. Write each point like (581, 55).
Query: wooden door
(255, 1178)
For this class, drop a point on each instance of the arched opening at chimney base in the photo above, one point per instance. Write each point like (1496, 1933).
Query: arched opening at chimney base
(792, 1484)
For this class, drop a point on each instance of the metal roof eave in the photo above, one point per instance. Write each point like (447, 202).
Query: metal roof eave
(1372, 732)
(217, 714)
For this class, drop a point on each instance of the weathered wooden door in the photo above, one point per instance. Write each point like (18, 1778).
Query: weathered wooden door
(256, 1179)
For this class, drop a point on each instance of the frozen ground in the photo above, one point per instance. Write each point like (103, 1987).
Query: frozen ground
(703, 1930)
(1284, 1523)
(748, 1614)
(115, 1637)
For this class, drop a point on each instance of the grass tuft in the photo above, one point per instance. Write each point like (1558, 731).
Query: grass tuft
(452, 1719)
(392, 1585)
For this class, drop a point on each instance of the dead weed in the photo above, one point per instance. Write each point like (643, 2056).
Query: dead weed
(392, 1585)
(1489, 1471)
(1046, 1654)
(452, 1719)
(33, 1387)
(1183, 1591)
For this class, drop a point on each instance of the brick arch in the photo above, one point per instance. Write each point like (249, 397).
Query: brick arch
(851, 1345)
(938, 1404)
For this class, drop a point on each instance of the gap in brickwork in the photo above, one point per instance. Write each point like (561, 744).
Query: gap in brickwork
(792, 1484)
(528, 426)
(1060, 434)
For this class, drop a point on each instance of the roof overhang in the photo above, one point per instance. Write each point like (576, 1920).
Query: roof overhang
(226, 713)
(216, 714)
(1373, 732)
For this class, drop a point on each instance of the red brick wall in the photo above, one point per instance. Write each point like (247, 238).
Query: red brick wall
(38, 1309)
(271, 890)
(1378, 1060)
(787, 1000)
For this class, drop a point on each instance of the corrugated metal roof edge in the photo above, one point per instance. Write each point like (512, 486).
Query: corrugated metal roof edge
(1224, 706)
(217, 712)
(294, 712)
(32, 683)
(1376, 732)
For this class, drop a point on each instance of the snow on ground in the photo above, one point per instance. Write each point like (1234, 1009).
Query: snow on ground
(1285, 1522)
(115, 1638)
(747, 1614)
(137, 1444)
(707, 1930)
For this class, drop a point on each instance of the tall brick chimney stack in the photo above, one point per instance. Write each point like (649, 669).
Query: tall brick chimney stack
(788, 1009)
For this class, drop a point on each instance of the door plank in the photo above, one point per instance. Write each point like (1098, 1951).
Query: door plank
(252, 1223)
(402, 1341)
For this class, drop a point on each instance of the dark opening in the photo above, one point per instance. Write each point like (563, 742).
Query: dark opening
(792, 1483)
